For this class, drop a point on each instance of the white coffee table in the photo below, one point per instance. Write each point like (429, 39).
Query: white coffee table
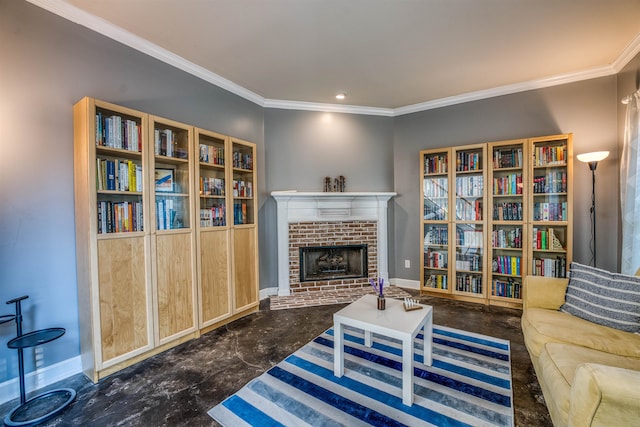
(394, 322)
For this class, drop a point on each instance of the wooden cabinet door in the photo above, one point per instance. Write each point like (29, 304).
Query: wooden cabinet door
(124, 311)
(245, 267)
(215, 288)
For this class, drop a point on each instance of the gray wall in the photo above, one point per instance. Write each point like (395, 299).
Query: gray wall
(48, 64)
(304, 147)
(588, 109)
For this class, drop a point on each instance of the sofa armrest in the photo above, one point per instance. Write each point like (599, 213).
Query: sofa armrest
(604, 396)
(544, 292)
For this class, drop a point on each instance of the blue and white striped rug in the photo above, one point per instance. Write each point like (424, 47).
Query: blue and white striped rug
(469, 384)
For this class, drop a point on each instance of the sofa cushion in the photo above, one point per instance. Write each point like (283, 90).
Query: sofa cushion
(541, 326)
(558, 364)
(602, 297)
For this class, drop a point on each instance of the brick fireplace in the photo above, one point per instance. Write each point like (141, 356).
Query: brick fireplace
(341, 220)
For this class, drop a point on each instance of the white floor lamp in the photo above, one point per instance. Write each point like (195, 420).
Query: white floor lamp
(592, 159)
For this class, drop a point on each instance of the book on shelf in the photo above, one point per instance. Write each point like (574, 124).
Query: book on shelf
(507, 211)
(502, 238)
(506, 288)
(211, 186)
(436, 164)
(212, 154)
(549, 155)
(507, 158)
(168, 214)
(213, 216)
(510, 184)
(507, 265)
(242, 188)
(468, 161)
(436, 281)
(118, 175)
(115, 132)
(242, 160)
(550, 267)
(469, 283)
(119, 217)
(240, 213)
(435, 259)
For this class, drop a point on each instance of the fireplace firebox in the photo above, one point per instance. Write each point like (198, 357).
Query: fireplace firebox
(333, 262)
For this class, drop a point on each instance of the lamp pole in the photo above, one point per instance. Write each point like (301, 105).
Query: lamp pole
(592, 166)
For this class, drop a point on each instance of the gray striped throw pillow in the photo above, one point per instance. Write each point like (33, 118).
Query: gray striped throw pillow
(602, 297)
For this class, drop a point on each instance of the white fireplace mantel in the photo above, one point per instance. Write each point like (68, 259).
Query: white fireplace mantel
(298, 206)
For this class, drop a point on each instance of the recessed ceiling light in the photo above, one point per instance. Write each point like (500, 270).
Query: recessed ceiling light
(341, 96)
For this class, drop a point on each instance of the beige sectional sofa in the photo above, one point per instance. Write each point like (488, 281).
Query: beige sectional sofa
(589, 373)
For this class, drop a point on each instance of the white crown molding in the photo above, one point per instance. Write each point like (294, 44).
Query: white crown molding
(632, 49)
(328, 108)
(80, 17)
(506, 90)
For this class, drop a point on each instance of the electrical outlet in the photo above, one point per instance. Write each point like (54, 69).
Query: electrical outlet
(407, 263)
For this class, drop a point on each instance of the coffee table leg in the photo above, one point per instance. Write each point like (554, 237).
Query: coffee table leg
(427, 342)
(368, 340)
(338, 350)
(407, 371)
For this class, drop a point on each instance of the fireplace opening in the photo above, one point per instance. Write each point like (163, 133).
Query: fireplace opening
(332, 262)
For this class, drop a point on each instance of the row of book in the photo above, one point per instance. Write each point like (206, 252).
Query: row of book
(503, 238)
(118, 175)
(506, 264)
(240, 213)
(552, 182)
(242, 188)
(510, 184)
(211, 186)
(507, 211)
(507, 158)
(115, 132)
(469, 283)
(436, 211)
(212, 154)
(242, 160)
(213, 217)
(169, 214)
(436, 281)
(550, 267)
(166, 144)
(506, 289)
(435, 187)
(438, 163)
(550, 211)
(543, 156)
(120, 217)
(472, 238)
(469, 186)
(467, 262)
(543, 239)
(437, 236)
(435, 259)
(469, 210)
(468, 161)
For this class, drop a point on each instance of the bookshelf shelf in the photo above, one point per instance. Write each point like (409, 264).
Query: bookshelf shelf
(153, 271)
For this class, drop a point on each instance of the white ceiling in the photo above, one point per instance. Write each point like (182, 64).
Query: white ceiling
(389, 56)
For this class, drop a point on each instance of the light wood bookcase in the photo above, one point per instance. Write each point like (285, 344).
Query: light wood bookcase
(152, 271)
(485, 226)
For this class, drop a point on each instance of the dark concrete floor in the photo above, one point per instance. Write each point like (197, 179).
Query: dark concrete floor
(179, 386)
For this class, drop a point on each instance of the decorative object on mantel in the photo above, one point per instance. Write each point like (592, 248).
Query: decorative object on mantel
(379, 288)
(339, 185)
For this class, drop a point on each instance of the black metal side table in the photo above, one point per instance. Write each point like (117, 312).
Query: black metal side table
(23, 414)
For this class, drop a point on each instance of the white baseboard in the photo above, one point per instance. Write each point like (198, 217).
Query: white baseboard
(405, 283)
(267, 292)
(10, 389)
